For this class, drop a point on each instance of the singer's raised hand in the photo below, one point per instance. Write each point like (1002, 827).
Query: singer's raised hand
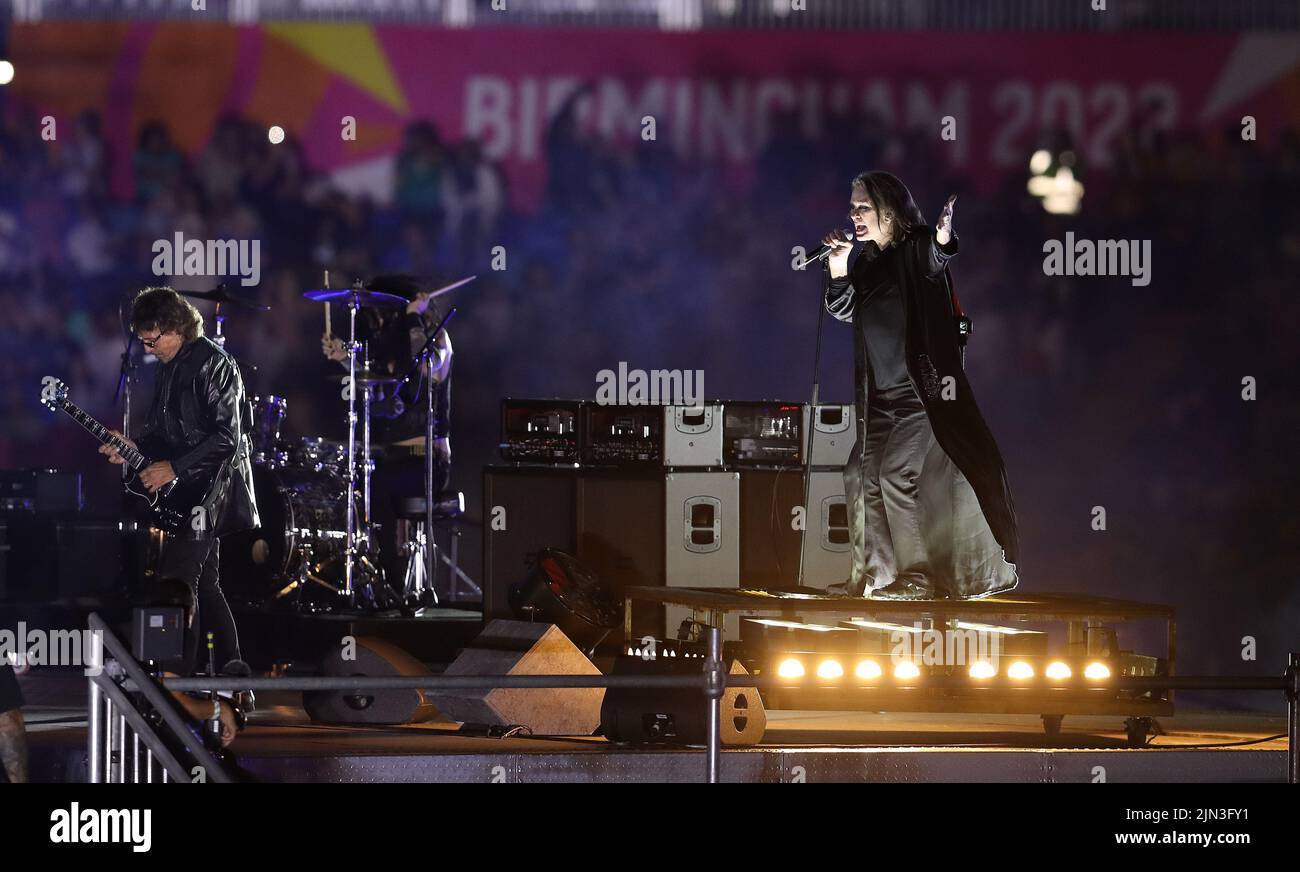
(943, 230)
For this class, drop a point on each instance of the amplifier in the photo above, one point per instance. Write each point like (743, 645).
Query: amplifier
(540, 431)
(693, 435)
(622, 435)
(40, 490)
(766, 433)
(834, 430)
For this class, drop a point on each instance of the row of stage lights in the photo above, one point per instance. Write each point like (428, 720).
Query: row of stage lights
(831, 669)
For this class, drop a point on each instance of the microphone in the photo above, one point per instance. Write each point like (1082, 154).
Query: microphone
(824, 251)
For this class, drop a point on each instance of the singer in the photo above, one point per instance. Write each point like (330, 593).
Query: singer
(929, 508)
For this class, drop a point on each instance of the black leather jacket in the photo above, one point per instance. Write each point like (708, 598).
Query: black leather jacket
(199, 421)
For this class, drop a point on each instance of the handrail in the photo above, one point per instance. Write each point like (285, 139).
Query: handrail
(142, 683)
(156, 746)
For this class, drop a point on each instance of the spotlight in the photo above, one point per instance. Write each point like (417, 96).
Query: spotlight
(1020, 670)
(1058, 670)
(1097, 671)
(982, 669)
(790, 667)
(830, 669)
(906, 669)
(275, 134)
(868, 670)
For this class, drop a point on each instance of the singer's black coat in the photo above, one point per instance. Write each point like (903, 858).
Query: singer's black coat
(933, 354)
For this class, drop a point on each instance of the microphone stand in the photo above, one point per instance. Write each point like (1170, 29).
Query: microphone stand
(124, 384)
(425, 353)
(812, 417)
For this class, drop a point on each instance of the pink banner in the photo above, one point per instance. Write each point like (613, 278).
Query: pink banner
(711, 96)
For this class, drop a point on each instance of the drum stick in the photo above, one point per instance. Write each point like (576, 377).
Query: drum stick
(328, 330)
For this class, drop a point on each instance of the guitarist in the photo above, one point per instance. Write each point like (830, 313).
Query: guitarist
(198, 423)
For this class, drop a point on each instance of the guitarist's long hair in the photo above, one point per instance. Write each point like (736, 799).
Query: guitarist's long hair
(164, 309)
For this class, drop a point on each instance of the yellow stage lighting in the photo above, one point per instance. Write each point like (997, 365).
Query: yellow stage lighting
(1020, 669)
(790, 667)
(830, 669)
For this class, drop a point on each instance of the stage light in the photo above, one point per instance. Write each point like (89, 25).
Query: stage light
(1097, 671)
(1058, 670)
(830, 669)
(275, 134)
(1040, 161)
(868, 670)
(982, 669)
(906, 669)
(6, 72)
(790, 667)
(1020, 670)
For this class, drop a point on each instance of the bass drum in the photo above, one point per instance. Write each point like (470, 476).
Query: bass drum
(304, 522)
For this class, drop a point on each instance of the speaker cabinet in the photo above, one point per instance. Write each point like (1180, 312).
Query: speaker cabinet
(828, 552)
(702, 537)
(63, 556)
(769, 543)
(621, 534)
(374, 658)
(522, 648)
(693, 435)
(525, 509)
(834, 430)
(653, 715)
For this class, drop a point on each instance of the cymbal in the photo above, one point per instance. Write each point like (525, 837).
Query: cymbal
(219, 295)
(366, 378)
(362, 296)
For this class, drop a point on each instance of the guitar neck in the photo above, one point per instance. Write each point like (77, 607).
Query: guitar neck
(133, 458)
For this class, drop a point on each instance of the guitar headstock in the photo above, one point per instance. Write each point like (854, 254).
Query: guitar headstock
(54, 393)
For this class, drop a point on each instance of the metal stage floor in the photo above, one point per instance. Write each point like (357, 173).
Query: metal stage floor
(282, 745)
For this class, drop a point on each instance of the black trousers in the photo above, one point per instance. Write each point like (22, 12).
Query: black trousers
(196, 562)
(912, 514)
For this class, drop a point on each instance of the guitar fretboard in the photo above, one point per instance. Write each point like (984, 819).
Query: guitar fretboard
(133, 458)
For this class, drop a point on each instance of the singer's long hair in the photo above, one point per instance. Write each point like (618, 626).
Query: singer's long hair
(891, 197)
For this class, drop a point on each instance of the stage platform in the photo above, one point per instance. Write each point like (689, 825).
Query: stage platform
(282, 745)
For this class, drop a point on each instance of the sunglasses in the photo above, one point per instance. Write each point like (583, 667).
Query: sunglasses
(151, 342)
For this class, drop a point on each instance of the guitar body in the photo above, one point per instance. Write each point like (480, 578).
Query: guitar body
(171, 507)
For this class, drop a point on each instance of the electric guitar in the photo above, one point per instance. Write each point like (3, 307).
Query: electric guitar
(172, 507)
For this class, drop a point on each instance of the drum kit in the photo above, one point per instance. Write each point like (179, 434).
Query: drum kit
(317, 547)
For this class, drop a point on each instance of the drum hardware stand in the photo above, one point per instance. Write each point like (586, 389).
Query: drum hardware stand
(425, 356)
(415, 584)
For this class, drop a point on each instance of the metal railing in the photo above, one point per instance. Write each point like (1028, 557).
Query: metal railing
(114, 719)
(712, 682)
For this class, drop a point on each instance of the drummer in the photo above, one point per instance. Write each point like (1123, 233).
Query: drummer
(393, 338)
